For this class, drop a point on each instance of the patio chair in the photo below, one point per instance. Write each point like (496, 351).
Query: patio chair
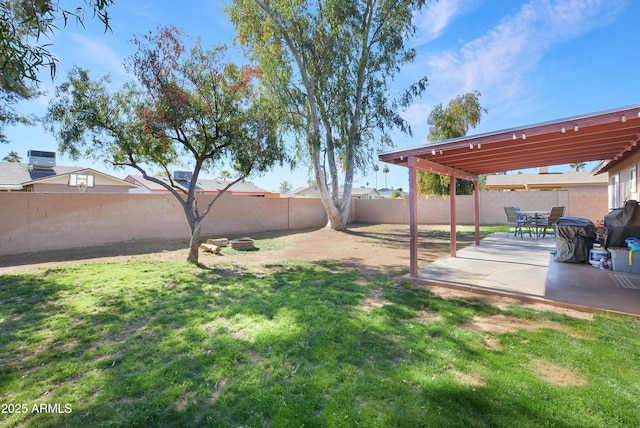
(550, 222)
(517, 220)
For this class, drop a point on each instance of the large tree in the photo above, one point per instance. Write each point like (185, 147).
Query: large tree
(194, 108)
(454, 121)
(10, 95)
(330, 63)
(26, 31)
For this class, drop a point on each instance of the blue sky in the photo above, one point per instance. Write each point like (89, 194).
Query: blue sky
(532, 61)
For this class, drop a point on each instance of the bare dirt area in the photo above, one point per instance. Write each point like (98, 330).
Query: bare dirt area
(371, 249)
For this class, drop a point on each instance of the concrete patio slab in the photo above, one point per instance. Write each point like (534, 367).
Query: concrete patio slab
(527, 268)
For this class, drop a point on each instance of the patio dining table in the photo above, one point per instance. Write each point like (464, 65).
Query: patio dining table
(534, 215)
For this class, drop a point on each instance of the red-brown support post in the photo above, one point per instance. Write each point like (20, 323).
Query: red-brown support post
(476, 209)
(413, 217)
(452, 201)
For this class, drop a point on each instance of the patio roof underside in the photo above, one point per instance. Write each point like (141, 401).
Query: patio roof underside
(609, 136)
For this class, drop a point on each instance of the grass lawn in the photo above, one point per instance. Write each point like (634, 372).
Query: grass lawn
(150, 343)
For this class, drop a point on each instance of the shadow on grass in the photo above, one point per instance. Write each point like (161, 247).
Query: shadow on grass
(158, 344)
(131, 248)
(98, 251)
(397, 236)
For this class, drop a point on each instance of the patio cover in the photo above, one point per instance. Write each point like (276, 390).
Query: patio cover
(610, 137)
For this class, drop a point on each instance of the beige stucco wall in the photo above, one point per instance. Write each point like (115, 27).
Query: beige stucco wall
(591, 204)
(244, 214)
(31, 222)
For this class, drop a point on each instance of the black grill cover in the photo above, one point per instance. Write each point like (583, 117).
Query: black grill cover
(622, 223)
(575, 237)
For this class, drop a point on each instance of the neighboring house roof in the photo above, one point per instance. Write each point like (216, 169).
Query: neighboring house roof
(387, 192)
(553, 181)
(15, 176)
(147, 185)
(356, 192)
(242, 187)
(11, 176)
(309, 190)
(203, 185)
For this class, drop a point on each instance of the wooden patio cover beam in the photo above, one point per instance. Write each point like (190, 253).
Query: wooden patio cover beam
(591, 137)
(416, 163)
(436, 168)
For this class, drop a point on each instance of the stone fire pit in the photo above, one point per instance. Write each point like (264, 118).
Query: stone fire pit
(242, 244)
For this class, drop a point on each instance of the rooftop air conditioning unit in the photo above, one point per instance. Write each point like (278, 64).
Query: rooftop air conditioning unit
(40, 159)
(182, 175)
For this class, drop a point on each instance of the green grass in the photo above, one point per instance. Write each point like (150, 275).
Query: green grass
(143, 344)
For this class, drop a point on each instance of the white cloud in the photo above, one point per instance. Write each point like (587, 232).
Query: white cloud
(416, 115)
(503, 57)
(96, 53)
(417, 112)
(434, 19)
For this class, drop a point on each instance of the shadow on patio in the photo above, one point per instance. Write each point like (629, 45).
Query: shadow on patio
(526, 268)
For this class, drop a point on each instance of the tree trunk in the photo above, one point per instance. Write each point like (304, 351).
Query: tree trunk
(338, 214)
(336, 208)
(337, 220)
(194, 243)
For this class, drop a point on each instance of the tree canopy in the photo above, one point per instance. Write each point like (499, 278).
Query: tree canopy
(23, 27)
(190, 107)
(285, 187)
(12, 156)
(461, 114)
(578, 166)
(330, 64)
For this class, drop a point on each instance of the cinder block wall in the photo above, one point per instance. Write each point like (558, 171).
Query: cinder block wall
(591, 204)
(31, 222)
(244, 215)
(47, 221)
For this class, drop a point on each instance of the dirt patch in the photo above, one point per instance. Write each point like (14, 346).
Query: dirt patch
(503, 302)
(374, 301)
(368, 248)
(427, 316)
(499, 324)
(470, 379)
(492, 343)
(557, 375)
(184, 401)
